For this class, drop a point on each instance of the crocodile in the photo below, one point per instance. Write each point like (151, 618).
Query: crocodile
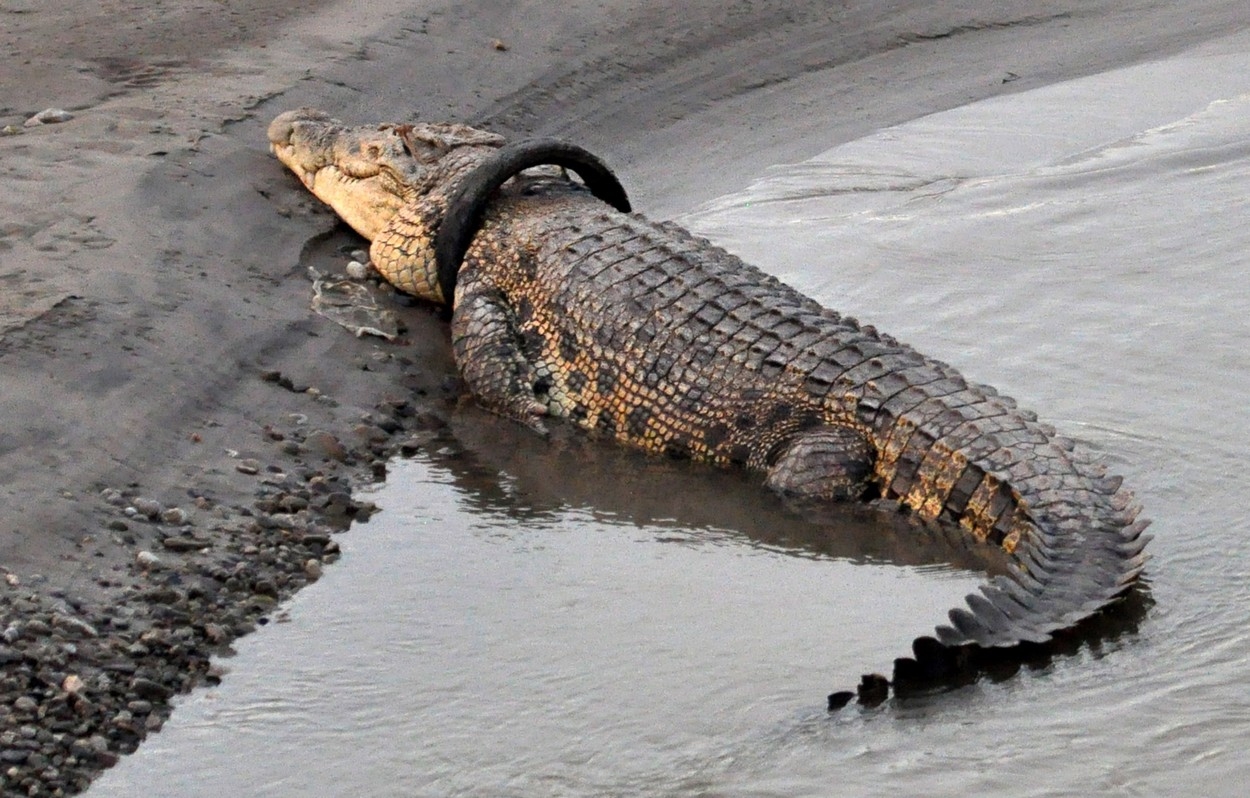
(564, 304)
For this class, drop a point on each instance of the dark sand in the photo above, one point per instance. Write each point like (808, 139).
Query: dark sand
(154, 287)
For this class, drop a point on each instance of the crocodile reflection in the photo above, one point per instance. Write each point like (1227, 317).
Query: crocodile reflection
(504, 471)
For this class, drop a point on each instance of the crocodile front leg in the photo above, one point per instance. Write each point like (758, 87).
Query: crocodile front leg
(487, 345)
(830, 462)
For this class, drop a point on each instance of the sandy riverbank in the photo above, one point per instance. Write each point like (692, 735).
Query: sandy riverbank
(155, 336)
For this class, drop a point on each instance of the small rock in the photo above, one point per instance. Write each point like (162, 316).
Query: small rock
(10, 130)
(74, 626)
(368, 433)
(357, 270)
(215, 633)
(49, 116)
(499, 45)
(72, 684)
(148, 560)
(163, 594)
(266, 587)
(185, 543)
(312, 569)
(25, 704)
(248, 466)
(13, 756)
(292, 503)
(175, 515)
(149, 690)
(149, 508)
(112, 496)
(326, 445)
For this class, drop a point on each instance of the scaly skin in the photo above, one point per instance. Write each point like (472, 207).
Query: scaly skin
(647, 334)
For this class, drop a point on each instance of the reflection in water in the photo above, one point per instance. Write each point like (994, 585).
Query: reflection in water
(597, 623)
(504, 470)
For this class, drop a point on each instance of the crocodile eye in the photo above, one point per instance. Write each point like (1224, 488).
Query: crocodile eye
(372, 151)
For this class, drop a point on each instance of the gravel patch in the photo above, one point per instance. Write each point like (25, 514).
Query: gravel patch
(82, 685)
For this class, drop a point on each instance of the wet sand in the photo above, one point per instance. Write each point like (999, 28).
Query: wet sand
(155, 336)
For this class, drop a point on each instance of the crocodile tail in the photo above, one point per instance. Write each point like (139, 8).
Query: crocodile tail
(1073, 532)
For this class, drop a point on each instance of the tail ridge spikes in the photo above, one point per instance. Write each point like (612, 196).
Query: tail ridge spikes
(932, 666)
(872, 691)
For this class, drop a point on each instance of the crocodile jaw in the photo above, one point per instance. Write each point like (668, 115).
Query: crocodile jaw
(364, 173)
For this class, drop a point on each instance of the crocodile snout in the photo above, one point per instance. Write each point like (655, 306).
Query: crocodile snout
(282, 128)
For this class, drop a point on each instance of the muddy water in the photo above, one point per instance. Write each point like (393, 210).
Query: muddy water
(564, 619)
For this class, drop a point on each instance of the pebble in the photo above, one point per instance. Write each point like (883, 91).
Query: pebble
(75, 626)
(323, 443)
(149, 508)
(276, 521)
(49, 116)
(148, 689)
(147, 559)
(368, 433)
(215, 633)
(312, 569)
(293, 503)
(184, 543)
(175, 515)
(248, 466)
(357, 270)
(266, 587)
(13, 756)
(72, 684)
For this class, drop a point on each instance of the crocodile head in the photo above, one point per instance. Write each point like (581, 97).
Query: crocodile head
(366, 173)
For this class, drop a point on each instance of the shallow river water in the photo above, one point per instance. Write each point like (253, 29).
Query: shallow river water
(564, 619)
